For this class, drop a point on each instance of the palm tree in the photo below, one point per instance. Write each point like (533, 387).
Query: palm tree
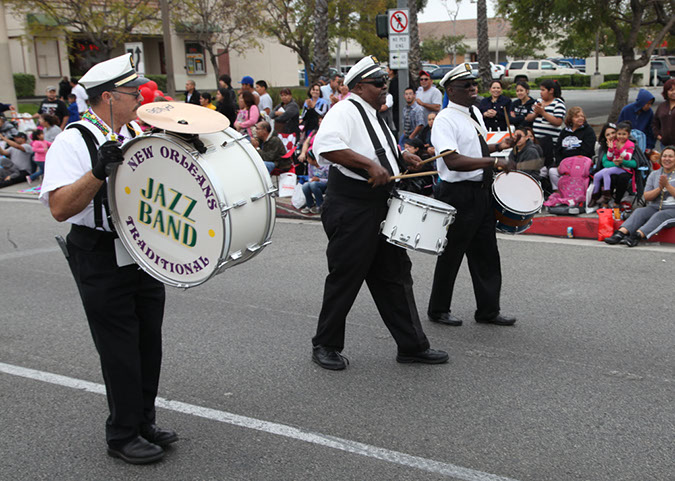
(483, 44)
(321, 56)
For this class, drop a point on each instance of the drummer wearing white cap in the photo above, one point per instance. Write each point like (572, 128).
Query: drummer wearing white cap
(466, 173)
(123, 304)
(363, 155)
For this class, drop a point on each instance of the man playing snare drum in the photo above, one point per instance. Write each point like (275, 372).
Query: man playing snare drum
(466, 175)
(124, 305)
(351, 217)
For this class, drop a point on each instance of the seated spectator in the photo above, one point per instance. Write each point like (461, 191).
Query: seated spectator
(522, 106)
(226, 105)
(577, 138)
(425, 137)
(40, 146)
(313, 109)
(286, 115)
(270, 147)
(205, 100)
(659, 213)
(9, 173)
(20, 153)
(618, 161)
(493, 107)
(73, 113)
(7, 127)
(50, 124)
(640, 115)
(527, 154)
(315, 187)
(248, 114)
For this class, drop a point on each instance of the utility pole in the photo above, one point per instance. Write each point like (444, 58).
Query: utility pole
(403, 78)
(168, 48)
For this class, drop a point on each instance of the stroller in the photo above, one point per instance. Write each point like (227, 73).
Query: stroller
(572, 186)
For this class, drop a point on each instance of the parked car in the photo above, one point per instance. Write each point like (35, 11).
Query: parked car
(529, 70)
(658, 72)
(439, 73)
(670, 63)
(497, 70)
(567, 64)
(430, 67)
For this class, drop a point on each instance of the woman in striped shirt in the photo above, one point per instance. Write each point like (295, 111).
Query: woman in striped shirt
(547, 117)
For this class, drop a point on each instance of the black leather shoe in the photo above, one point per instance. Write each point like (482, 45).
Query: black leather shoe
(329, 359)
(632, 240)
(499, 320)
(137, 451)
(444, 318)
(615, 238)
(158, 436)
(430, 356)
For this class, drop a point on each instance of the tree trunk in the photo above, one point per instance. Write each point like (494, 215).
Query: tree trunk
(414, 60)
(483, 44)
(628, 66)
(321, 55)
(214, 61)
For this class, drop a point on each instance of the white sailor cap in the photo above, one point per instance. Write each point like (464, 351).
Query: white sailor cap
(367, 67)
(460, 72)
(116, 72)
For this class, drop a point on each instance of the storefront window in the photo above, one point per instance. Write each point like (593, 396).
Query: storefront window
(194, 59)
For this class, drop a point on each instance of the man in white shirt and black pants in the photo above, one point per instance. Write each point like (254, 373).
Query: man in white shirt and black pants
(466, 172)
(124, 305)
(351, 217)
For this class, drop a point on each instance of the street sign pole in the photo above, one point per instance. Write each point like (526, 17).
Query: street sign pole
(398, 36)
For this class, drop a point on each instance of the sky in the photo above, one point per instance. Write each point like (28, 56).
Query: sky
(436, 10)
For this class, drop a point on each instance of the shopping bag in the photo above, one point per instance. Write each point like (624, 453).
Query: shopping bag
(298, 200)
(605, 223)
(287, 182)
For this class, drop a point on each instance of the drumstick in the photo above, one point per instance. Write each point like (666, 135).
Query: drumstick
(508, 126)
(416, 174)
(433, 158)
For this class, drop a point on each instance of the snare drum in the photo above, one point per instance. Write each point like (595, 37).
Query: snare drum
(417, 222)
(517, 198)
(185, 216)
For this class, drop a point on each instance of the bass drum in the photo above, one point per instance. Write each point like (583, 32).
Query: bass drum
(185, 216)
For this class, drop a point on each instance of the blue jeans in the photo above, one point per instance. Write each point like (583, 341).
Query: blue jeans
(38, 172)
(314, 190)
(270, 166)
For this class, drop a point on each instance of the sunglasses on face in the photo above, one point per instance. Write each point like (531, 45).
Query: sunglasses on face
(133, 94)
(424, 79)
(465, 85)
(377, 83)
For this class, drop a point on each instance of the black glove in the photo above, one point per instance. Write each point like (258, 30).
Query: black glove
(109, 155)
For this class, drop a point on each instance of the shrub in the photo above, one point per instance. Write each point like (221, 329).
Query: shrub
(612, 84)
(563, 80)
(579, 80)
(615, 76)
(159, 79)
(24, 84)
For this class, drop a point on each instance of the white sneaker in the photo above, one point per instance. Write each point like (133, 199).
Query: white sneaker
(30, 182)
(315, 210)
(305, 210)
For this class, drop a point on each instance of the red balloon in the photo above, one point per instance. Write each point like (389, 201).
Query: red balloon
(170, 99)
(147, 94)
(152, 85)
(158, 93)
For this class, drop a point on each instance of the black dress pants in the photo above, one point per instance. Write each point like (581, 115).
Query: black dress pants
(124, 308)
(357, 252)
(471, 234)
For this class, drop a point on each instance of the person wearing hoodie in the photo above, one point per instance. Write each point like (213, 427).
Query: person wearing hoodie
(9, 173)
(577, 138)
(7, 127)
(640, 115)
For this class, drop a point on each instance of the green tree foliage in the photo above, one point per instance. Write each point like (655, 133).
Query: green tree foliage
(435, 50)
(625, 27)
(107, 24)
(218, 34)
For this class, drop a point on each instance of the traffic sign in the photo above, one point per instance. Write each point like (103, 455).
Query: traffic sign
(398, 60)
(398, 21)
(399, 43)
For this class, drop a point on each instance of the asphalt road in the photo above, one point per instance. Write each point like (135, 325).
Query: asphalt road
(582, 388)
(598, 103)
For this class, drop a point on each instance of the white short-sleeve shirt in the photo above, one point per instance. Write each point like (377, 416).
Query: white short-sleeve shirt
(67, 161)
(81, 98)
(430, 96)
(455, 130)
(342, 128)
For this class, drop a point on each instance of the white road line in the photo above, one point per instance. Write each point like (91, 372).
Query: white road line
(387, 455)
(28, 253)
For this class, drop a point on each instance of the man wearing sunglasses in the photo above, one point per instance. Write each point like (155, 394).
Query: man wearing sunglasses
(428, 96)
(124, 305)
(356, 204)
(466, 173)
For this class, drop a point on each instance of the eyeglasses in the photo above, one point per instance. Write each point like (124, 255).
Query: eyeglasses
(465, 85)
(424, 79)
(133, 94)
(377, 83)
